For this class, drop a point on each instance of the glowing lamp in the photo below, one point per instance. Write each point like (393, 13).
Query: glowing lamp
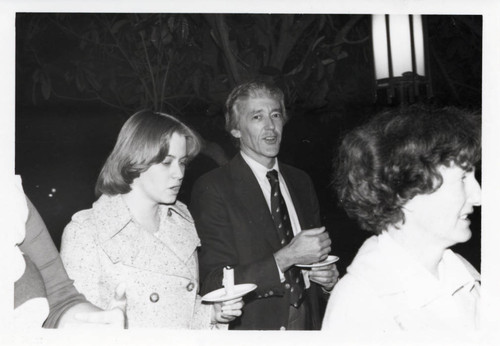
(400, 58)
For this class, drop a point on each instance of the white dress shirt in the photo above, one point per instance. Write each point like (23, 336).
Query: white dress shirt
(260, 172)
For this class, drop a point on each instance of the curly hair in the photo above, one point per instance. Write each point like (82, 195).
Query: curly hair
(253, 89)
(395, 156)
(142, 142)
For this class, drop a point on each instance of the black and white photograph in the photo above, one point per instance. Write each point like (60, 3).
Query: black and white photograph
(194, 173)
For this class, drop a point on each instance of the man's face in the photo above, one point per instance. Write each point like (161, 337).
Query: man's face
(259, 128)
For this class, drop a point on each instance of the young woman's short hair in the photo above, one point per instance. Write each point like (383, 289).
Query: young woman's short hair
(143, 141)
(248, 90)
(383, 164)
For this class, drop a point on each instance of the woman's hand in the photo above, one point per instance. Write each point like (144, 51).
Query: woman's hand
(227, 311)
(89, 315)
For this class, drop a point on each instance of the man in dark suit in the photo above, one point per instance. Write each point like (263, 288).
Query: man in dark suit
(245, 217)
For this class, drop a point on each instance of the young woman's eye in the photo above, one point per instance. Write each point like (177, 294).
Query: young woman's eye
(167, 163)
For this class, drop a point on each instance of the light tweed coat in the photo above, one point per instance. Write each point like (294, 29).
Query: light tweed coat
(102, 247)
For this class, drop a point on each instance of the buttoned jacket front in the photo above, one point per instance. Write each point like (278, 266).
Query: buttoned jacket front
(103, 247)
(236, 229)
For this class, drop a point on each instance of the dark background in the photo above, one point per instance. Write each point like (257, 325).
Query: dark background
(79, 77)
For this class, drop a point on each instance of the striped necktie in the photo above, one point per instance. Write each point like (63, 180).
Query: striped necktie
(279, 212)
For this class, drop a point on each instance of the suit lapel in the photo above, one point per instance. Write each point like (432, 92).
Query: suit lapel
(249, 195)
(292, 189)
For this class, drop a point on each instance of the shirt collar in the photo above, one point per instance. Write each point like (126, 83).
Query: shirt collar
(113, 215)
(418, 283)
(455, 274)
(257, 168)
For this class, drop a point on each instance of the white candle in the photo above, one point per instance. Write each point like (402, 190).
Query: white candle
(228, 280)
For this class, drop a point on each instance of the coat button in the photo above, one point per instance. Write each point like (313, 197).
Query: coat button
(287, 286)
(154, 297)
(190, 286)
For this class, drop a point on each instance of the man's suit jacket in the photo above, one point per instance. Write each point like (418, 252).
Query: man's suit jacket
(236, 228)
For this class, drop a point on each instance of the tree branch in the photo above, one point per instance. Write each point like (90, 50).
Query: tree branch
(150, 70)
(223, 35)
(290, 32)
(127, 58)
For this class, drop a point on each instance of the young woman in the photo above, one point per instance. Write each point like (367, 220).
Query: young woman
(138, 234)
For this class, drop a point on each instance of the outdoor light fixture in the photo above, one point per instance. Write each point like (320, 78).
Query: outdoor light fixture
(400, 59)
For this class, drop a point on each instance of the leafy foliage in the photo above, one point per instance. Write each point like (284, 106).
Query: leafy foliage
(173, 61)
(187, 63)
(128, 61)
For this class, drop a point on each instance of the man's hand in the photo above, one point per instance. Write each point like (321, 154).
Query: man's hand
(308, 246)
(85, 315)
(326, 276)
(227, 311)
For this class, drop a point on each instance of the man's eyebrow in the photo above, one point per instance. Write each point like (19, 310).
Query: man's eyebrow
(255, 111)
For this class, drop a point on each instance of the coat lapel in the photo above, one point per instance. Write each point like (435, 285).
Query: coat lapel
(125, 242)
(249, 194)
(178, 232)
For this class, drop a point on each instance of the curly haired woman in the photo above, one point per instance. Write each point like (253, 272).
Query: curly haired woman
(408, 177)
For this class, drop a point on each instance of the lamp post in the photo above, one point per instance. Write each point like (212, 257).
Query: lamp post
(400, 59)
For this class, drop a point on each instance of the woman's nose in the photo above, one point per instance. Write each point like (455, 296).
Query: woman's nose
(474, 193)
(178, 171)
